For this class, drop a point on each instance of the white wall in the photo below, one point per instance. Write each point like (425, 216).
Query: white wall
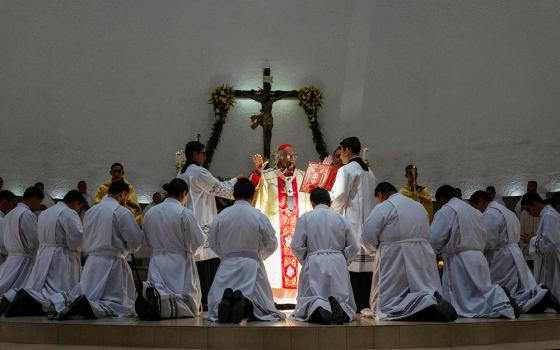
(467, 90)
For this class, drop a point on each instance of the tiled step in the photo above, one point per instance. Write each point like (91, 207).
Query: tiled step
(200, 334)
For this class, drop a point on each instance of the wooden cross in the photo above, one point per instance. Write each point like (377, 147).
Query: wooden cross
(266, 98)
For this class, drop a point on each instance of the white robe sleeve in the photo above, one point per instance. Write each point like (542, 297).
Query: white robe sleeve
(268, 237)
(132, 235)
(193, 237)
(213, 241)
(440, 231)
(72, 226)
(494, 224)
(28, 229)
(339, 192)
(351, 247)
(548, 240)
(373, 226)
(215, 187)
(299, 241)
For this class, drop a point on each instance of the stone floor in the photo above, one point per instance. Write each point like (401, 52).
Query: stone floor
(528, 332)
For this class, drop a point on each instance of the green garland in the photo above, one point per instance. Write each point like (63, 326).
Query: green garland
(223, 98)
(311, 99)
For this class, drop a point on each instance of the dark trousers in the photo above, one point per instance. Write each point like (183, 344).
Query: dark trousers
(206, 272)
(361, 285)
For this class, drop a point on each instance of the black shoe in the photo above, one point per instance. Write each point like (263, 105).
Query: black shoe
(224, 309)
(237, 307)
(320, 316)
(79, 309)
(514, 305)
(154, 304)
(447, 310)
(4, 304)
(24, 305)
(141, 307)
(553, 302)
(337, 312)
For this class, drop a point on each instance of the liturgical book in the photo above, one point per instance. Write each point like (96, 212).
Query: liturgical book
(318, 175)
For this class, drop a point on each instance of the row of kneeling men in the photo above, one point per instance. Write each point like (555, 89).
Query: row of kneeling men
(42, 274)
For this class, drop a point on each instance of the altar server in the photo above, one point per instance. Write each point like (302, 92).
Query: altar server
(458, 233)
(545, 244)
(406, 278)
(21, 242)
(507, 265)
(353, 197)
(57, 266)
(203, 190)
(106, 287)
(324, 245)
(7, 203)
(242, 237)
(172, 289)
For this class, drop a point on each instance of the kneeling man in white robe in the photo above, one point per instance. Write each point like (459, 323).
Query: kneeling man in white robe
(545, 244)
(58, 264)
(106, 286)
(458, 233)
(242, 237)
(325, 245)
(7, 203)
(507, 264)
(172, 289)
(21, 242)
(406, 279)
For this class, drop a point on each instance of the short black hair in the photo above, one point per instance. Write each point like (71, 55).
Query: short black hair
(480, 196)
(6, 195)
(33, 192)
(320, 196)
(531, 198)
(243, 189)
(37, 184)
(491, 188)
(532, 182)
(408, 167)
(117, 187)
(385, 188)
(81, 182)
(191, 148)
(353, 144)
(73, 196)
(117, 164)
(176, 187)
(555, 200)
(446, 192)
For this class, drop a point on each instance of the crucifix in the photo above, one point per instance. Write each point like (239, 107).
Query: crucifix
(266, 98)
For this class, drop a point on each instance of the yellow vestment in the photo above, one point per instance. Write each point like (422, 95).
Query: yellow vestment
(131, 203)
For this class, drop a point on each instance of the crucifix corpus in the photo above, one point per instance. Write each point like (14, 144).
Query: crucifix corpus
(266, 98)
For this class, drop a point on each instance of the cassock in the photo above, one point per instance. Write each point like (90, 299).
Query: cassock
(545, 249)
(21, 242)
(422, 196)
(131, 203)
(406, 277)
(458, 233)
(278, 198)
(3, 251)
(353, 197)
(324, 245)
(203, 190)
(242, 237)
(57, 266)
(175, 237)
(507, 265)
(110, 234)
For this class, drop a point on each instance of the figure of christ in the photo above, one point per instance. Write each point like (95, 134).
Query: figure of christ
(278, 198)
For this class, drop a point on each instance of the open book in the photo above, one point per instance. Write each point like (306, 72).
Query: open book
(319, 175)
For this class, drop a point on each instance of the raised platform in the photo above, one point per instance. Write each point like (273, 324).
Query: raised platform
(200, 334)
